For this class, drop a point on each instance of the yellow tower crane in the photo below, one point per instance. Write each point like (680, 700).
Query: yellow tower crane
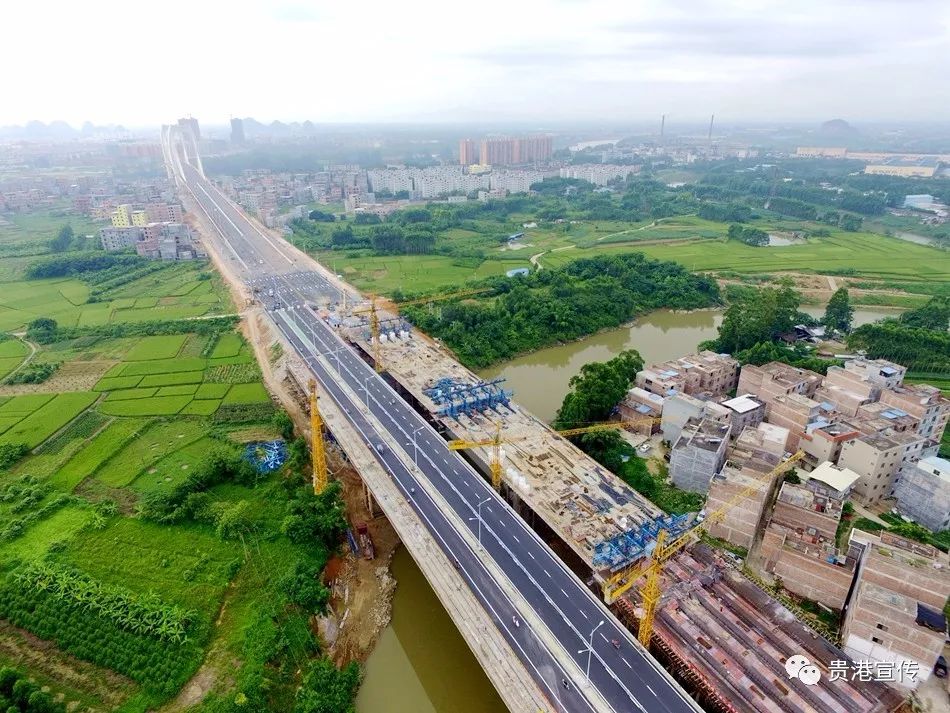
(651, 591)
(373, 311)
(496, 441)
(317, 447)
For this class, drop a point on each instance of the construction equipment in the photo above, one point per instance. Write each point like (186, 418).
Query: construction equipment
(494, 463)
(496, 441)
(317, 446)
(617, 585)
(373, 311)
(366, 542)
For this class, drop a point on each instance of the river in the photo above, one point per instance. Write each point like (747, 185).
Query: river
(540, 379)
(421, 663)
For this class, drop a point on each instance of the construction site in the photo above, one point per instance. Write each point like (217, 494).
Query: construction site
(713, 623)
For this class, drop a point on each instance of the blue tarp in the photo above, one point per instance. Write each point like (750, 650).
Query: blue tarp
(266, 456)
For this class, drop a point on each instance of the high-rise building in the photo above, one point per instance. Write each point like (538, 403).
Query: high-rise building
(190, 124)
(237, 131)
(468, 152)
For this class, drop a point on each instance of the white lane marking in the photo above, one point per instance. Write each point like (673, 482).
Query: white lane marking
(627, 662)
(530, 555)
(583, 613)
(651, 690)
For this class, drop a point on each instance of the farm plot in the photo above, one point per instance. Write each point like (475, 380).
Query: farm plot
(247, 394)
(12, 353)
(107, 443)
(160, 347)
(228, 345)
(40, 424)
(155, 406)
(36, 540)
(172, 470)
(150, 447)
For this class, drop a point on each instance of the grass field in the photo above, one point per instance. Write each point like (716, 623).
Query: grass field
(174, 293)
(97, 451)
(695, 243)
(37, 425)
(44, 225)
(146, 450)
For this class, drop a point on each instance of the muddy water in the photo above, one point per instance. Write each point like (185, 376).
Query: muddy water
(540, 379)
(421, 663)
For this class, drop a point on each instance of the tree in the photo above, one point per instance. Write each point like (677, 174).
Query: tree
(748, 235)
(597, 390)
(851, 223)
(935, 314)
(63, 240)
(304, 588)
(284, 424)
(838, 313)
(317, 518)
(758, 316)
(42, 329)
(10, 453)
(326, 689)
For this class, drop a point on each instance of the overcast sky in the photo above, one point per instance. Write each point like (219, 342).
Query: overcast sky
(444, 60)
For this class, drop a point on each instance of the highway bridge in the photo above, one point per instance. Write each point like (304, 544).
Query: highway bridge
(561, 633)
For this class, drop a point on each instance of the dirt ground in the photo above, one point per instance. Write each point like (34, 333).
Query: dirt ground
(361, 605)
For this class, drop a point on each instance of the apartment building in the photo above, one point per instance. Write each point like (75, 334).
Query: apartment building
(639, 403)
(679, 408)
(797, 413)
(745, 411)
(748, 463)
(698, 454)
(705, 372)
(879, 457)
(824, 442)
(119, 238)
(923, 493)
(777, 379)
(599, 174)
(895, 614)
(468, 152)
(924, 402)
(122, 216)
(798, 544)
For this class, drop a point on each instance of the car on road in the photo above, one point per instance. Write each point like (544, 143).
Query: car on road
(380, 447)
(645, 448)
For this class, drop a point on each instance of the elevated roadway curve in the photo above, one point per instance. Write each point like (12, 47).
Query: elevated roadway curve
(543, 610)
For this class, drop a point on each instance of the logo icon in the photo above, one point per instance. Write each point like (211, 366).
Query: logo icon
(800, 667)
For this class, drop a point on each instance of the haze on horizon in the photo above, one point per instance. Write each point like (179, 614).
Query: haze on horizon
(553, 60)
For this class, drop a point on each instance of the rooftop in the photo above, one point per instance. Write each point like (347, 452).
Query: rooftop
(838, 478)
(743, 404)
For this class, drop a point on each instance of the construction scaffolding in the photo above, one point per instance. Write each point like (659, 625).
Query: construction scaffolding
(458, 397)
(622, 550)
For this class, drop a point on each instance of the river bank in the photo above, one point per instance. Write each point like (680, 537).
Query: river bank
(540, 379)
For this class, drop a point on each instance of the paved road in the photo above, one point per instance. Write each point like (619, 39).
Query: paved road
(628, 678)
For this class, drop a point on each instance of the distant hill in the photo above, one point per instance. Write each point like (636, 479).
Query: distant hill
(57, 131)
(837, 128)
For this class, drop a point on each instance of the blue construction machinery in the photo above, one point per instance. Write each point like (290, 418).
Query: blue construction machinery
(623, 549)
(266, 456)
(458, 397)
